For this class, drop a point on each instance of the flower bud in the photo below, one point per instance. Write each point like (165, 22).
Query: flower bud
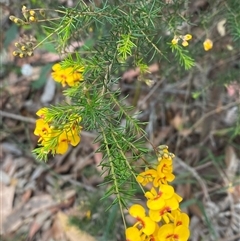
(175, 40)
(187, 37)
(18, 45)
(184, 43)
(12, 18)
(15, 53)
(21, 55)
(162, 147)
(208, 44)
(32, 13)
(32, 19)
(23, 48)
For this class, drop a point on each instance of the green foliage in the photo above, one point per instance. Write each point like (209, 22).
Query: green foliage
(125, 46)
(233, 19)
(182, 55)
(103, 228)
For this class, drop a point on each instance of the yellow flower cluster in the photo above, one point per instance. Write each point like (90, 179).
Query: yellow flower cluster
(53, 139)
(165, 221)
(184, 39)
(68, 75)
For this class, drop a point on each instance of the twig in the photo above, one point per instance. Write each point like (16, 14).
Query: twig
(213, 112)
(149, 94)
(230, 238)
(196, 175)
(17, 117)
(189, 80)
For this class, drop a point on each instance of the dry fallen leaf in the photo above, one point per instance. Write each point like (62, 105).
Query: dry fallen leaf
(177, 122)
(38, 223)
(231, 116)
(6, 202)
(71, 232)
(161, 135)
(221, 27)
(133, 73)
(49, 91)
(33, 206)
(195, 209)
(232, 163)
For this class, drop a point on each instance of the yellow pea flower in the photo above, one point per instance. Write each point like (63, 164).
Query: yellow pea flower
(175, 40)
(133, 234)
(187, 37)
(68, 76)
(42, 112)
(146, 223)
(207, 44)
(148, 176)
(164, 212)
(171, 232)
(184, 43)
(157, 200)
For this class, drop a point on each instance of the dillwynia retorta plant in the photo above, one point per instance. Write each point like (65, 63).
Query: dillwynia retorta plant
(108, 38)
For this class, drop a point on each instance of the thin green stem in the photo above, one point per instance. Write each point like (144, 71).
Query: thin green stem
(126, 161)
(114, 177)
(154, 46)
(48, 36)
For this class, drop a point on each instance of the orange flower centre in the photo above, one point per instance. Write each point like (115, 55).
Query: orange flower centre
(158, 196)
(141, 222)
(174, 237)
(64, 77)
(165, 210)
(179, 223)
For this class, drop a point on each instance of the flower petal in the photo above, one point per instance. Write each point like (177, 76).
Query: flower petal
(165, 232)
(181, 233)
(132, 234)
(136, 211)
(148, 226)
